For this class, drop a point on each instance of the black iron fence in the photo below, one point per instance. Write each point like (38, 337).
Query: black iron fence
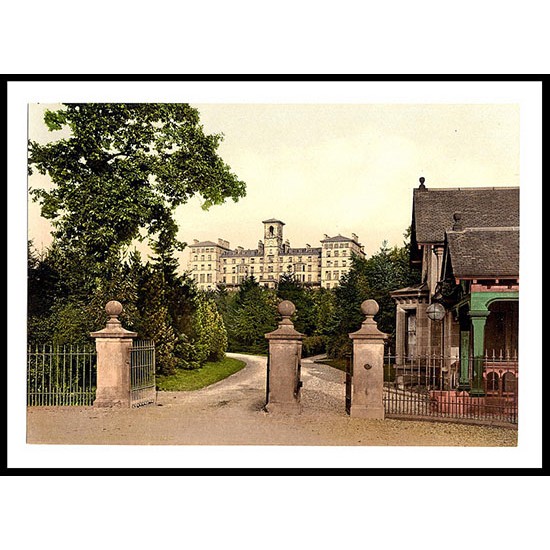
(482, 389)
(142, 373)
(61, 375)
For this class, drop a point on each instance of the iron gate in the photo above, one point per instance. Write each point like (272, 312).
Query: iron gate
(349, 378)
(433, 387)
(142, 373)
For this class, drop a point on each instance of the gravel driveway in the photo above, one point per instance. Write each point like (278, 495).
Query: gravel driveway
(230, 412)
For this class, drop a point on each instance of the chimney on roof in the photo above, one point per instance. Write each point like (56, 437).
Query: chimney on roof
(195, 241)
(326, 236)
(457, 225)
(422, 180)
(355, 237)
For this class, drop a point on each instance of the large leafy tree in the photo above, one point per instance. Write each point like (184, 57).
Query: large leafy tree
(122, 172)
(118, 176)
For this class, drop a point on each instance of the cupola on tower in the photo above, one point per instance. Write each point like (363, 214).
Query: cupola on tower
(273, 236)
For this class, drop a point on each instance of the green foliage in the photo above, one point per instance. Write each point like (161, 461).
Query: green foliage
(209, 332)
(373, 278)
(326, 321)
(314, 345)
(121, 173)
(251, 312)
(118, 177)
(42, 282)
(209, 373)
(303, 297)
(155, 322)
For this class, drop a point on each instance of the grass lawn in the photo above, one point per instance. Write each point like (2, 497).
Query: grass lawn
(188, 380)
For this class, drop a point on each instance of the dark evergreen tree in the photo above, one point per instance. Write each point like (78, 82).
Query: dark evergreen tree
(303, 297)
(251, 314)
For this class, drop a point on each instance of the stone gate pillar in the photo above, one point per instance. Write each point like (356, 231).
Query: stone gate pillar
(113, 345)
(367, 391)
(283, 372)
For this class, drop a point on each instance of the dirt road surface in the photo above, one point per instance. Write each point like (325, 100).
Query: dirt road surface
(230, 412)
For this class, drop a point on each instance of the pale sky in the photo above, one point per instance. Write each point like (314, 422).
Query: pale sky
(336, 168)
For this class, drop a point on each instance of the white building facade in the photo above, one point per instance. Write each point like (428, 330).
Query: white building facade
(215, 263)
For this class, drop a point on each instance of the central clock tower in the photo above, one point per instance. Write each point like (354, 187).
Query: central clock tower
(273, 236)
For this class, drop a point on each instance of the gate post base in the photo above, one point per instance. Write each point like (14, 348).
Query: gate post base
(278, 408)
(373, 413)
(111, 403)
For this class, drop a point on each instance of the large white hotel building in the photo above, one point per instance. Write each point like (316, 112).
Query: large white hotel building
(213, 263)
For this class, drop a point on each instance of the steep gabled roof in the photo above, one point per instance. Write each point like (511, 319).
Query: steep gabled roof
(433, 210)
(483, 252)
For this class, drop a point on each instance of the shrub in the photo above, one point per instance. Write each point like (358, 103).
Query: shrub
(339, 346)
(314, 345)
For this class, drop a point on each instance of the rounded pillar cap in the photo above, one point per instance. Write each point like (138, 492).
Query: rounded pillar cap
(113, 308)
(370, 308)
(286, 308)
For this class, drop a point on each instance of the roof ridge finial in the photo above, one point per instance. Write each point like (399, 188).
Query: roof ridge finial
(422, 180)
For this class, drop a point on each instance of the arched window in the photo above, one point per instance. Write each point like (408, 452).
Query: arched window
(492, 382)
(271, 231)
(509, 383)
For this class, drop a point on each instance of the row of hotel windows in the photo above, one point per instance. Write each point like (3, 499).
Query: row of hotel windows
(337, 253)
(269, 268)
(327, 247)
(297, 259)
(336, 245)
(207, 277)
(301, 267)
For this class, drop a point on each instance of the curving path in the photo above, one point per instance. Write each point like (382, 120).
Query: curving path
(230, 412)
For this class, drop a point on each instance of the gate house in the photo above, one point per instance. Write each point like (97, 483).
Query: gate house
(466, 243)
